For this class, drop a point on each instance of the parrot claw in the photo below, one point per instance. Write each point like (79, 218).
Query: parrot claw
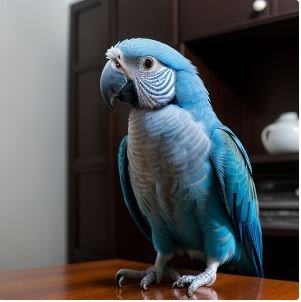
(206, 278)
(148, 276)
(120, 281)
(176, 284)
(129, 273)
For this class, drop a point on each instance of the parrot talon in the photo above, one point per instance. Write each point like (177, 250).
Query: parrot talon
(118, 277)
(206, 278)
(176, 284)
(120, 281)
(127, 273)
(153, 273)
(143, 286)
(186, 279)
(148, 278)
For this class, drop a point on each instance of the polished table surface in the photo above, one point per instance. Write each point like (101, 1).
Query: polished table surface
(95, 280)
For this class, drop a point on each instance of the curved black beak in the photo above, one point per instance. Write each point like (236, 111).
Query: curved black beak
(116, 85)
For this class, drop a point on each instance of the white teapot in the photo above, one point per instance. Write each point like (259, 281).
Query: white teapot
(283, 135)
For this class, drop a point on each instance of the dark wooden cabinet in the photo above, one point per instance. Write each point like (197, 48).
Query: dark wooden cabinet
(92, 20)
(200, 18)
(155, 19)
(249, 63)
(287, 6)
(90, 228)
(204, 18)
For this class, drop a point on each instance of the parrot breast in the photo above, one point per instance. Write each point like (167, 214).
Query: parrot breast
(168, 166)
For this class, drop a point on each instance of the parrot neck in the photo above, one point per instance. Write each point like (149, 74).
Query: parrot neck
(192, 96)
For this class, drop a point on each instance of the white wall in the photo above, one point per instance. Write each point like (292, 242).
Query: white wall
(33, 125)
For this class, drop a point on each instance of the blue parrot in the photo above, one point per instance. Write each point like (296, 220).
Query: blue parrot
(185, 177)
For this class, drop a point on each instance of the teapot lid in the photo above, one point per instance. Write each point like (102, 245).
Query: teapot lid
(288, 116)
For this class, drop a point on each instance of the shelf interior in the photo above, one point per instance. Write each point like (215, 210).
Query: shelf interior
(274, 158)
(252, 77)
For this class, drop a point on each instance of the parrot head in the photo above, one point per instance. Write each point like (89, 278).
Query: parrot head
(143, 73)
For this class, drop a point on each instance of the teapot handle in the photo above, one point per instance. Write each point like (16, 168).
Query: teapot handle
(265, 133)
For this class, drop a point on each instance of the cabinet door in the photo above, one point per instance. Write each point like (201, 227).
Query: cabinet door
(90, 213)
(287, 6)
(154, 19)
(200, 18)
(89, 32)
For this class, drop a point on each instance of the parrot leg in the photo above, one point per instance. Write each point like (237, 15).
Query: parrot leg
(153, 273)
(205, 278)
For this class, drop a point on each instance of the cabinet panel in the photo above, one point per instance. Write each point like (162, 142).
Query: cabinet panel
(91, 116)
(287, 6)
(199, 18)
(144, 18)
(90, 208)
(91, 31)
(92, 212)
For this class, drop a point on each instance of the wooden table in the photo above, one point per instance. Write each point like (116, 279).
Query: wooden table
(95, 280)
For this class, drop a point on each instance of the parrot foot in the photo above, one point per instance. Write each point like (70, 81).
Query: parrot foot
(148, 276)
(206, 278)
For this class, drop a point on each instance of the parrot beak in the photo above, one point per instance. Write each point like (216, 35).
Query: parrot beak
(116, 85)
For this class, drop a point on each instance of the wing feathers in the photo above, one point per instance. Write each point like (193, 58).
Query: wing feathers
(233, 170)
(128, 193)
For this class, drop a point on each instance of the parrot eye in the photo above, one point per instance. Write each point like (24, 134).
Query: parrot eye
(148, 63)
(117, 64)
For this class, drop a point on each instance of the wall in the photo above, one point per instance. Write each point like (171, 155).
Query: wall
(33, 125)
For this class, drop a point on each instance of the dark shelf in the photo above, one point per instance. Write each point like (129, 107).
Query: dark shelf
(280, 232)
(274, 158)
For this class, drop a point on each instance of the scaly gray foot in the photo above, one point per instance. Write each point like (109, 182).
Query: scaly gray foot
(148, 276)
(194, 282)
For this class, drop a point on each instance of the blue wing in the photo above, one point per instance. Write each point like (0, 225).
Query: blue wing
(127, 191)
(238, 192)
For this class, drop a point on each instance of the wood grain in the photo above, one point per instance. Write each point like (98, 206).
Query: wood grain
(95, 280)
